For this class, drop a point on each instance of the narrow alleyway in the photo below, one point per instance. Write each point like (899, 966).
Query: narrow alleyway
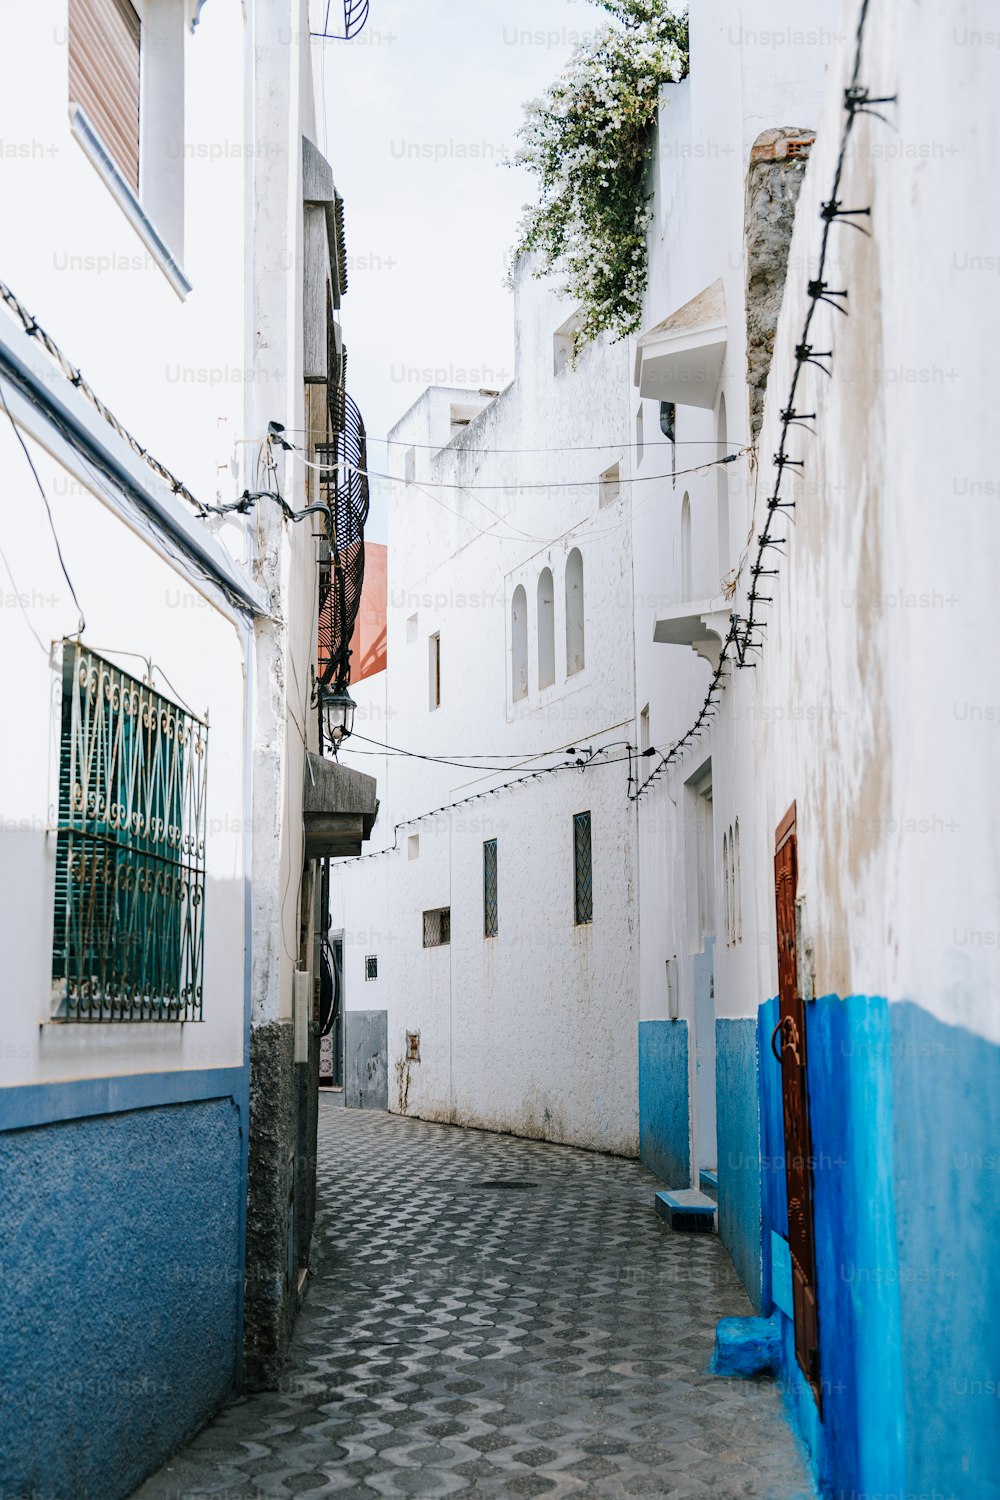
(497, 1317)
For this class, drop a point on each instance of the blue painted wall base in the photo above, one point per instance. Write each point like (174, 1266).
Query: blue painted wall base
(664, 1128)
(738, 1129)
(121, 1293)
(747, 1347)
(905, 1117)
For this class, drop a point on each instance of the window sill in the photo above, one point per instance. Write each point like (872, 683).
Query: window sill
(108, 171)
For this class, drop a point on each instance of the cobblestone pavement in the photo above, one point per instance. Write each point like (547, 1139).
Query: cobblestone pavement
(496, 1317)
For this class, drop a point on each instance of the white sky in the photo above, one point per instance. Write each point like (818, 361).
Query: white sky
(421, 109)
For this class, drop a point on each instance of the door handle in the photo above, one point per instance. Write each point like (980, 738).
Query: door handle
(774, 1033)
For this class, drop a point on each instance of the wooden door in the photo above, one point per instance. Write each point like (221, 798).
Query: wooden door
(791, 1029)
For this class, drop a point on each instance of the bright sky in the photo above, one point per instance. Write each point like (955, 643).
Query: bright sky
(421, 109)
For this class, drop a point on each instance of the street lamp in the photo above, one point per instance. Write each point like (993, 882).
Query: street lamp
(337, 707)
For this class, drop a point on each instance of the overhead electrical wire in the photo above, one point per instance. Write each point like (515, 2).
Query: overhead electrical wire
(48, 511)
(524, 484)
(436, 812)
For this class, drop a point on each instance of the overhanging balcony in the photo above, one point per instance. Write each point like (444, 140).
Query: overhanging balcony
(680, 359)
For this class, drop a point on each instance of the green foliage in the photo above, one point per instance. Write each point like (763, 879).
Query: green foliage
(588, 141)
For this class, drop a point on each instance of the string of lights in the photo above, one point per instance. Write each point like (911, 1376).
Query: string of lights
(579, 764)
(740, 639)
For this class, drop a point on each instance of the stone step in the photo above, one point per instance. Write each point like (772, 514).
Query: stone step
(687, 1208)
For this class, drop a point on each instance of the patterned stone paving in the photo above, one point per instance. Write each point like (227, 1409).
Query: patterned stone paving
(495, 1317)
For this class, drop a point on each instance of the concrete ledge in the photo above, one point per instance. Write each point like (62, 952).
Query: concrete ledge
(686, 1208)
(746, 1347)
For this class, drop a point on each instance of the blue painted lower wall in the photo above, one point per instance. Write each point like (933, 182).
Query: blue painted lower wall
(905, 1116)
(738, 1132)
(664, 1128)
(119, 1301)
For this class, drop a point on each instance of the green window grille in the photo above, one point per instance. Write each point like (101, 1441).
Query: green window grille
(583, 869)
(128, 940)
(491, 916)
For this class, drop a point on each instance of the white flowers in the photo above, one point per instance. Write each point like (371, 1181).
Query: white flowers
(588, 141)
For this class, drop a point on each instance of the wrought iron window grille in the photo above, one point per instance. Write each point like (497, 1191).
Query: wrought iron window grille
(128, 939)
(437, 927)
(491, 922)
(583, 901)
(371, 966)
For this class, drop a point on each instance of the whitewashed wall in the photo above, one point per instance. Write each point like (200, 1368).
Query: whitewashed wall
(532, 1031)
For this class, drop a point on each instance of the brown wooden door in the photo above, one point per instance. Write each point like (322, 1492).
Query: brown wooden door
(795, 1099)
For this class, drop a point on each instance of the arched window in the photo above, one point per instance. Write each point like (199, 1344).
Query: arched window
(519, 644)
(685, 548)
(722, 482)
(574, 613)
(546, 629)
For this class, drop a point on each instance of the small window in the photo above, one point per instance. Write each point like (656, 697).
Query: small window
(611, 485)
(583, 870)
(564, 342)
(128, 934)
(413, 1046)
(104, 45)
(575, 657)
(519, 644)
(371, 966)
(413, 846)
(410, 465)
(491, 924)
(546, 629)
(434, 663)
(668, 420)
(437, 927)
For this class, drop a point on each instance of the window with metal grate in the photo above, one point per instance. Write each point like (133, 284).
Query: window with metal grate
(371, 965)
(437, 927)
(583, 870)
(128, 934)
(491, 916)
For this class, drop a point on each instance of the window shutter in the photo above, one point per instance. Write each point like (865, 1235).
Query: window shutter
(104, 76)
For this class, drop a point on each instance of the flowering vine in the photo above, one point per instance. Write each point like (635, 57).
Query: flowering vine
(588, 141)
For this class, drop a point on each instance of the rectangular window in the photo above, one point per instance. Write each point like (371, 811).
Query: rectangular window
(435, 670)
(371, 965)
(491, 924)
(583, 870)
(104, 44)
(437, 927)
(128, 939)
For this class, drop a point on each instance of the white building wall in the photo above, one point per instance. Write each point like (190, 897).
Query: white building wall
(531, 1031)
(73, 258)
(754, 66)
